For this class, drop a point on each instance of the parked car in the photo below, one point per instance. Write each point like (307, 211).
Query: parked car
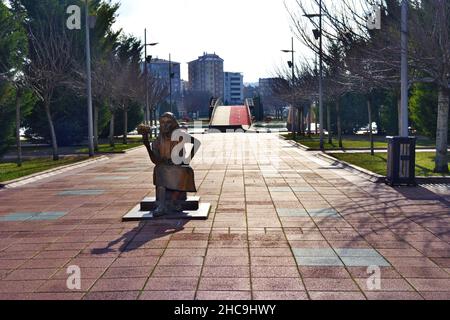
(365, 130)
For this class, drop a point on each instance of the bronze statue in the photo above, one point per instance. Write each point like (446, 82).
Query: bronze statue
(172, 180)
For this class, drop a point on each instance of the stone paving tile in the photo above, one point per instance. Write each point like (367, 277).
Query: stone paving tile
(167, 295)
(86, 273)
(323, 272)
(430, 284)
(135, 262)
(19, 286)
(223, 295)
(292, 212)
(177, 271)
(60, 286)
(119, 295)
(122, 284)
(226, 271)
(226, 261)
(436, 295)
(181, 261)
(319, 261)
(279, 295)
(81, 192)
(270, 252)
(127, 272)
(412, 262)
(386, 285)
(272, 261)
(423, 272)
(224, 284)
(274, 272)
(33, 216)
(44, 263)
(350, 252)
(330, 284)
(336, 295)
(365, 261)
(171, 284)
(365, 272)
(41, 296)
(390, 295)
(314, 252)
(30, 274)
(277, 284)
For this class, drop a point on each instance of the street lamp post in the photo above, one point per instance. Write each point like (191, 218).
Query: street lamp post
(402, 149)
(292, 65)
(170, 82)
(404, 131)
(318, 34)
(147, 60)
(321, 79)
(89, 83)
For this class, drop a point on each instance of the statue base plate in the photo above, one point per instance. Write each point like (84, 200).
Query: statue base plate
(192, 210)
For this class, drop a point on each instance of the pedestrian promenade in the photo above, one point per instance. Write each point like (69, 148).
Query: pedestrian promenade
(284, 225)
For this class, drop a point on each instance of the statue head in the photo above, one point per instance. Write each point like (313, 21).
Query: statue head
(168, 124)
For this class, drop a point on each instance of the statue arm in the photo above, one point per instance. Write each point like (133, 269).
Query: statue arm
(154, 156)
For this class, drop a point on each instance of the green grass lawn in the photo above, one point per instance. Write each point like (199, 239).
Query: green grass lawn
(10, 170)
(352, 142)
(378, 162)
(106, 148)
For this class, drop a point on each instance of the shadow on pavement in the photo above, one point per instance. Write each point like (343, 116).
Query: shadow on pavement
(421, 193)
(142, 234)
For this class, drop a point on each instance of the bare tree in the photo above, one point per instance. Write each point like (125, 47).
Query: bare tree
(158, 91)
(429, 56)
(299, 92)
(195, 101)
(50, 66)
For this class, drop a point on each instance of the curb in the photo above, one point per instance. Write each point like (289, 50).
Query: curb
(295, 144)
(121, 152)
(133, 149)
(51, 172)
(369, 175)
(433, 180)
(374, 177)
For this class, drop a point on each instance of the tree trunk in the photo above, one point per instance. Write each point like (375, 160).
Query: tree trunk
(18, 142)
(150, 122)
(330, 136)
(125, 126)
(316, 127)
(339, 125)
(309, 121)
(96, 128)
(369, 109)
(442, 132)
(155, 119)
(300, 121)
(52, 130)
(111, 131)
(399, 106)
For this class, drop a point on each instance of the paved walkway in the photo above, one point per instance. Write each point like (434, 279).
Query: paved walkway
(284, 225)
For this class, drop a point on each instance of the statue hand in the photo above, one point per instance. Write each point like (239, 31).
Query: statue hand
(144, 130)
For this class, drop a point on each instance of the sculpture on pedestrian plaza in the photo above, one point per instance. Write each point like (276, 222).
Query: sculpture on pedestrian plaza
(173, 177)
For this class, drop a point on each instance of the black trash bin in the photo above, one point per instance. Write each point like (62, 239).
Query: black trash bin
(401, 161)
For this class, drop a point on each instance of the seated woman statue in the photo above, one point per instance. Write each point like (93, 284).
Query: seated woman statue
(172, 180)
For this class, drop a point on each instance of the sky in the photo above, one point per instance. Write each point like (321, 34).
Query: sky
(248, 34)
